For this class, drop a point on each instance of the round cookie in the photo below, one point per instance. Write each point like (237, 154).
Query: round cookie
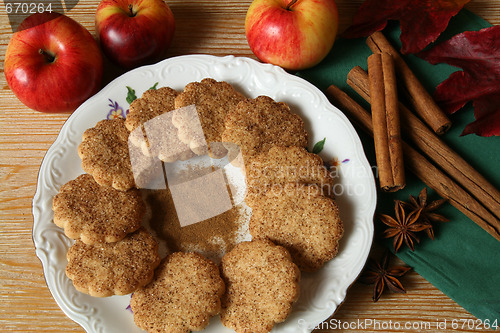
(106, 269)
(213, 100)
(182, 297)
(105, 154)
(262, 283)
(282, 165)
(299, 218)
(151, 129)
(94, 213)
(256, 125)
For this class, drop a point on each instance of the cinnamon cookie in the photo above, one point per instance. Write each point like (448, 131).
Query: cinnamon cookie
(152, 103)
(213, 100)
(150, 124)
(282, 165)
(94, 213)
(299, 218)
(105, 269)
(105, 154)
(256, 125)
(182, 297)
(262, 283)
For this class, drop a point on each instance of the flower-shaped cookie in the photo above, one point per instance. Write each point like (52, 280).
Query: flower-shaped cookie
(106, 269)
(256, 125)
(105, 154)
(213, 100)
(282, 165)
(301, 219)
(182, 297)
(151, 129)
(94, 213)
(262, 283)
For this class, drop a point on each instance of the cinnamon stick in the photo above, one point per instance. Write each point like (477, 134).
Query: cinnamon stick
(386, 127)
(431, 145)
(422, 168)
(422, 101)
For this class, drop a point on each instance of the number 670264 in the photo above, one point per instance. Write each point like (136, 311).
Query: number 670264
(27, 8)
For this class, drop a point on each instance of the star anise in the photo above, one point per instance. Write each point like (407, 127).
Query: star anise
(427, 214)
(404, 227)
(379, 274)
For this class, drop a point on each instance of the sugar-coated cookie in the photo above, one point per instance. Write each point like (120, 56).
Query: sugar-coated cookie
(256, 125)
(150, 124)
(182, 297)
(281, 165)
(301, 219)
(106, 269)
(152, 103)
(94, 213)
(105, 154)
(262, 283)
(213, 100)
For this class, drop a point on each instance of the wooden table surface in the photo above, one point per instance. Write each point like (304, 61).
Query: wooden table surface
(210, 27)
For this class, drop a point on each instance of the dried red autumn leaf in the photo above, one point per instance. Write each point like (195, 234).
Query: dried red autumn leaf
(478, 54)
(421, 21)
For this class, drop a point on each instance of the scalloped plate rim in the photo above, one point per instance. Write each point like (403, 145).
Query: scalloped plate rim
(37, 208)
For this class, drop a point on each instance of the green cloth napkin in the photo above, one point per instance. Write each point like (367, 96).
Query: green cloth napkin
(464, 260)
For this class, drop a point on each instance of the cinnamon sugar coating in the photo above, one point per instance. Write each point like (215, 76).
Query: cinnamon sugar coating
(281, 165)
(299, 218)
(105, 154)
(94, 213)
(106, 269)
(213, 100)
(256, 125)
(182, 297)
(152, 103)
(262, 283)
(151, 129)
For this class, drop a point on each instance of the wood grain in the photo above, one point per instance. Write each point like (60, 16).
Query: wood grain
(212, 27)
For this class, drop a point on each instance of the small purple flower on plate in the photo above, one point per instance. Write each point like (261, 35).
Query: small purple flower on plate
(116, 110)
(129, 307)
(335, 162)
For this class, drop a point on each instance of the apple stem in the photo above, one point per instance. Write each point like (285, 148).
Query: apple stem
(49, 57)
(293, 2)
(131, 10)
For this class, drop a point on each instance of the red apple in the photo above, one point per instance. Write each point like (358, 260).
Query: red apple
(293, 34)
(52, 63)
(134, 32)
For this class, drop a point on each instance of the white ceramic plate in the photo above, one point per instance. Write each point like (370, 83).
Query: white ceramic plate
(321, 292)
